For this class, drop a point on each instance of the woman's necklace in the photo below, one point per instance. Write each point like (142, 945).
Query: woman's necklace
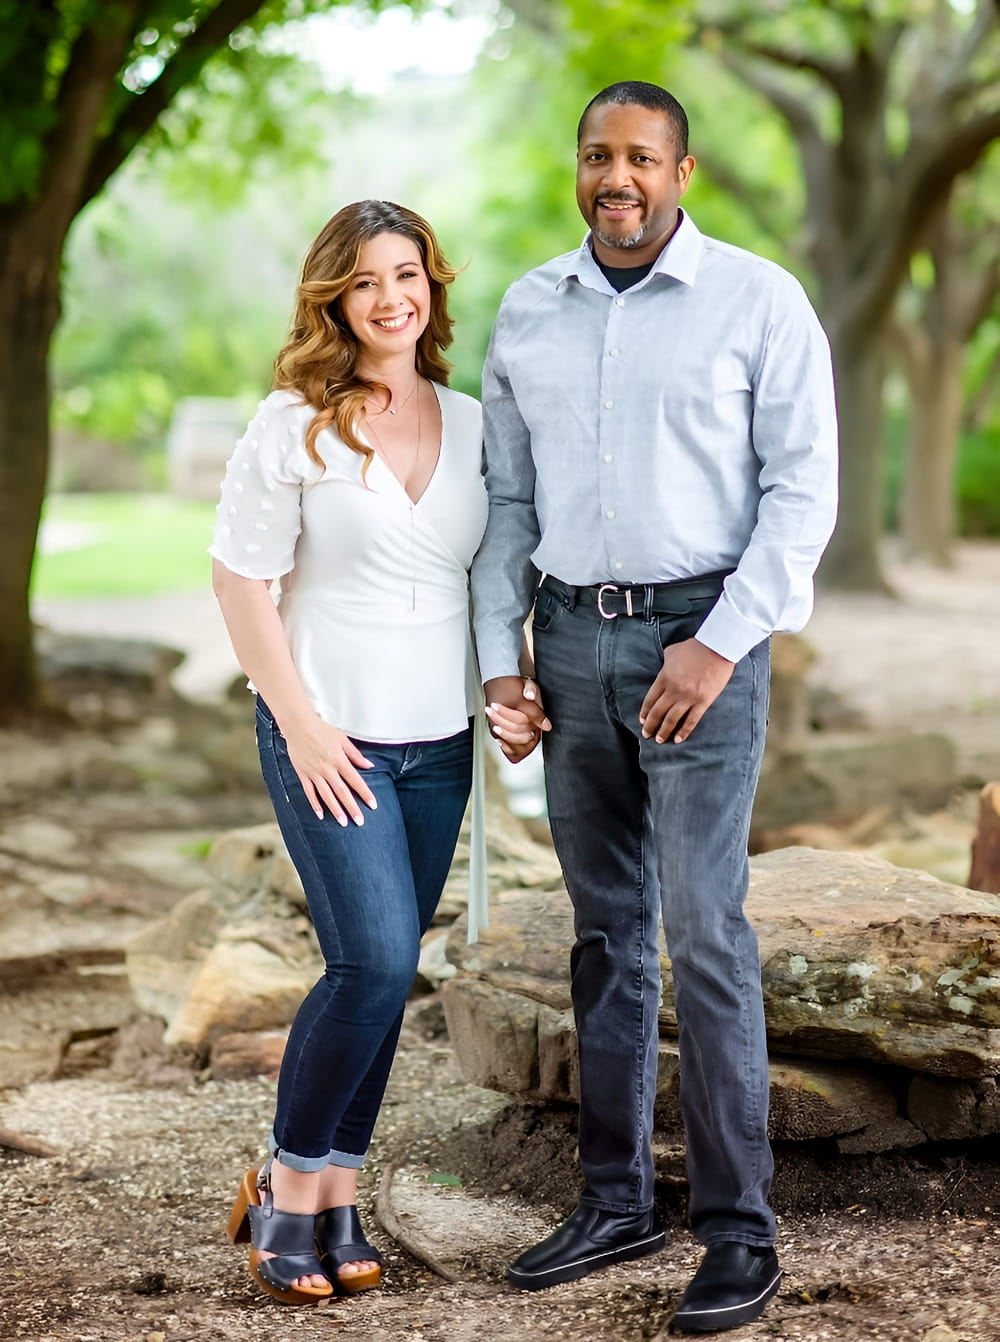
(386, 457)
(415, 469)
(394, 410)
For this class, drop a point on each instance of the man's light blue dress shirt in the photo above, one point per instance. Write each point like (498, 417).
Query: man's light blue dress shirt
(683, 426)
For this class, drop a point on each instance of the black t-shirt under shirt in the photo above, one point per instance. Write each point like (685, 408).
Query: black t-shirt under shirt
(623, 277)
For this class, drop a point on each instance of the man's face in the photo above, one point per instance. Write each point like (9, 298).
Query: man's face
(628, 182)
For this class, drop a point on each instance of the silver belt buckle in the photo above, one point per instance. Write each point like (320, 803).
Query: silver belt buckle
(610, 587)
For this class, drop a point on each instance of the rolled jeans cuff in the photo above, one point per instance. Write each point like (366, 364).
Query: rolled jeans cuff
(313, 1164)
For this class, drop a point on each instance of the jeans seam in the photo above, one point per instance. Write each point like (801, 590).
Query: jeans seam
(751, 1116)
(640, 872)
(305, 847)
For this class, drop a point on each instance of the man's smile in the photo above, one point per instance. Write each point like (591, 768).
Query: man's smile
(616, 207)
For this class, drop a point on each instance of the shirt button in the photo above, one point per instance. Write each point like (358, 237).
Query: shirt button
(610, 514)
(608, 456)
(613, 352)
(609, 405)
(619, 302)
(619, 564)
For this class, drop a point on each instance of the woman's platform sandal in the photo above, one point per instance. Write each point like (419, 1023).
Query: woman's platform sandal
(340, 1240)
(290, 1236)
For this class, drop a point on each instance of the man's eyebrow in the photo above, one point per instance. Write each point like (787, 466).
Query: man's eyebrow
(632, 148)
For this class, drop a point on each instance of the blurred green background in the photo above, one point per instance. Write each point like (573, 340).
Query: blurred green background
(179, 277)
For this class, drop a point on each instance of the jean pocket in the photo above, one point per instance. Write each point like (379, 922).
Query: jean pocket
(268, 731)
(677, 628)
(546, 608)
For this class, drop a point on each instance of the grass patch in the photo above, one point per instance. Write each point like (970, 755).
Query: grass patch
(95, 545)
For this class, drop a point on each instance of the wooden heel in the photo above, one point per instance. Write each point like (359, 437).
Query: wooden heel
(238, 1226)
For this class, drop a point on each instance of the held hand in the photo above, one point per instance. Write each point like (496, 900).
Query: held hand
(691, 680)
(327, 762)
(517, 718)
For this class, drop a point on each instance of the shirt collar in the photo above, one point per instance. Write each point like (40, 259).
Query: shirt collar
(678, 260)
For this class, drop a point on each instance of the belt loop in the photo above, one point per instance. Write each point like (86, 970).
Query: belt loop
(570, 598)
(647, 604)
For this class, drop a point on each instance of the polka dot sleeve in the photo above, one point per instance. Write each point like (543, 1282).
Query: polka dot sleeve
(259, 512)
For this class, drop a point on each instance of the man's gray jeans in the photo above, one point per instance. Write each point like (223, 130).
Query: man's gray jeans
(642, 831)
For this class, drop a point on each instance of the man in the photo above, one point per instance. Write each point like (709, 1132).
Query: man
(661, 445)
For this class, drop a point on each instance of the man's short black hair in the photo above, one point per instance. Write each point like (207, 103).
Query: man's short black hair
(635, 93)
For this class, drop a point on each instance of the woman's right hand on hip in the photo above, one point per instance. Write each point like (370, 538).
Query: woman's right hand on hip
(327, 763)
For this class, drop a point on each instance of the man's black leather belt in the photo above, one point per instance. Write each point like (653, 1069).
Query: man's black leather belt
(653, 598)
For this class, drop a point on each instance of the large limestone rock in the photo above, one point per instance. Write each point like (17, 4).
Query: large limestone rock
(239, 955)
(78, 662)
(863, 963)
(862, 959)
(236, 956)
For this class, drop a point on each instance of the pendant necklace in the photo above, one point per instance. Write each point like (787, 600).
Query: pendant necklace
(416, 463)
(393, 410)
(382, 451)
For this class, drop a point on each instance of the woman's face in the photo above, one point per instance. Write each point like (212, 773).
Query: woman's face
(387, 303)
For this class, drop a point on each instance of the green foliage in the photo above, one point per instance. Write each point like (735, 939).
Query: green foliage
(41, 45)
(978, 483)
(258, 113)
(28, 57)
(172, 291)
(180, 278)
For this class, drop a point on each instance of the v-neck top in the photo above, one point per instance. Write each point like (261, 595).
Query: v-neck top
(374, 595)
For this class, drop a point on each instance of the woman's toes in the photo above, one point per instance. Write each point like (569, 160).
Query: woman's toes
(352, 1269)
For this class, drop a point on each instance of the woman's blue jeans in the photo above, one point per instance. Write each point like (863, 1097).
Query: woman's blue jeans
(372, 891)
(645, 831)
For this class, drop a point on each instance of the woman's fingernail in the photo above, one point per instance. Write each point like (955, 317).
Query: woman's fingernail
(373, 805)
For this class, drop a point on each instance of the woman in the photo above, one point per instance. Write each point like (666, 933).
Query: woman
(358, 485)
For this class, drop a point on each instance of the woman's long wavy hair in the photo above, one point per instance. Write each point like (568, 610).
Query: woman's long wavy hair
(319, 359)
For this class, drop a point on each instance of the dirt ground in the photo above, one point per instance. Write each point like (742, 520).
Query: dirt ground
(118, 1236)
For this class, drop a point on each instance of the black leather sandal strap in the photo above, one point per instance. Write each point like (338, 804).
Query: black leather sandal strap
(341, 1239)
(285, 1270)
(284, 1233)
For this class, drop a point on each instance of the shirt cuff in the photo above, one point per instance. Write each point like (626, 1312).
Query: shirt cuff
(494, 669)
(728, 633)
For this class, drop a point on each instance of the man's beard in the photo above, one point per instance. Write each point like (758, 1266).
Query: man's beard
(623, 244)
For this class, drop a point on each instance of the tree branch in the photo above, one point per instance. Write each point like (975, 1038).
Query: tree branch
(141, 113)
(95, 58)
(814, 152)
(790, 59)
(795, 110)
(909, 340)
(924, 177)
(954, 81)
(749, 196)
(981, 294)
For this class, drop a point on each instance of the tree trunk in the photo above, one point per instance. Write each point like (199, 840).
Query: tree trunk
(927, 507)
(852, 558)
(29, 309)
(985, 873)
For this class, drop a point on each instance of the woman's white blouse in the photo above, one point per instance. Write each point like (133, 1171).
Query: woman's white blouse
(374, 588)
